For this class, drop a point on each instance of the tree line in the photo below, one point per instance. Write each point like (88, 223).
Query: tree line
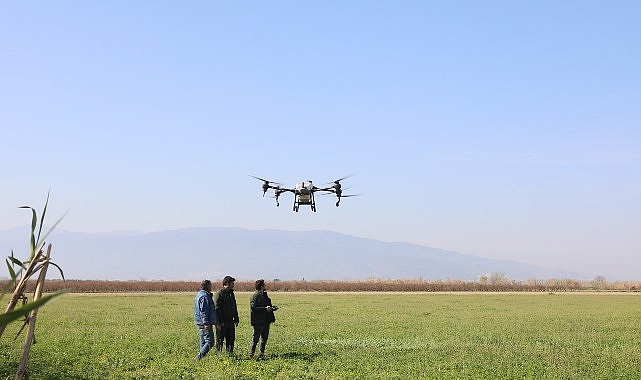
(492, 283)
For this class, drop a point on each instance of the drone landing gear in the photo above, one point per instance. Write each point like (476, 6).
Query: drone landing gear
(311, 205)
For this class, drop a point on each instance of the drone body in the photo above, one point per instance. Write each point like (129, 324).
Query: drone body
(304, 192)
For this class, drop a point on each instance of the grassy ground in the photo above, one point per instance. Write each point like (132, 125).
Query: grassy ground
(343, 336)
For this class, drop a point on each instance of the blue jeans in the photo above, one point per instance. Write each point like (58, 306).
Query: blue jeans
(206, 340)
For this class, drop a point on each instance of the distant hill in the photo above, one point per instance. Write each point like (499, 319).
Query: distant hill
(212, 252)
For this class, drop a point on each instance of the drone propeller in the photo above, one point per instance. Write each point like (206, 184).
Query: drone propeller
(331, 191)
(264, 180)
(338, 202)
(340, 179)
(336, 187)
(342, 195)
(275, 197)
(266, 183)
(339, 195)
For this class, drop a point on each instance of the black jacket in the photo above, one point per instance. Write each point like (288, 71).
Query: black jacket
(257, 303)
(226, 305)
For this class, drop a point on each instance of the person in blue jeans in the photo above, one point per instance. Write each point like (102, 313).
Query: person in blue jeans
(205, 318)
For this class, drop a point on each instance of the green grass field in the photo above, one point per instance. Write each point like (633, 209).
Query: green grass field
(343, 336)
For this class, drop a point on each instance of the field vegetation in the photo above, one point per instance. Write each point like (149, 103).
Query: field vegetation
(326, 335)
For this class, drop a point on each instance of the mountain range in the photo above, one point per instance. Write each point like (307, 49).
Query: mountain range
(213, 252)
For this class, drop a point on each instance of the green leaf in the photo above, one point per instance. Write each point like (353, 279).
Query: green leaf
(34, 221)
(59, 269)
(42, 217)
(12, 273)
(50, 230)
(18, 313)
(16, 261)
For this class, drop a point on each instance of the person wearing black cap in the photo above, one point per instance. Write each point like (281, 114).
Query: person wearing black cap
(205, 318)
(227, 313)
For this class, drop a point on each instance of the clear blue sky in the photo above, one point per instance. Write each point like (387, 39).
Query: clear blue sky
(508, 130)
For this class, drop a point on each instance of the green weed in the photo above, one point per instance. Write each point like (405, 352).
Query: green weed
(344, 336)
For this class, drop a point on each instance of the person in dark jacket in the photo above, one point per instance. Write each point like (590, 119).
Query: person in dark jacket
(227, 315)
(205, 318)
(262, 315)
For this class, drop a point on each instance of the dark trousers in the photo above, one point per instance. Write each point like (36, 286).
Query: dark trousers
(261, 332)
(226, 333)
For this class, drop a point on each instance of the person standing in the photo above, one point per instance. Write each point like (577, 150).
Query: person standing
(262, 315)
(227, 315)
(205, 318)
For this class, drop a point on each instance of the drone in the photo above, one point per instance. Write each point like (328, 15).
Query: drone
(304, 191)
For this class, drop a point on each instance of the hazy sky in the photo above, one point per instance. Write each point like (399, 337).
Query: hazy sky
(508, 130)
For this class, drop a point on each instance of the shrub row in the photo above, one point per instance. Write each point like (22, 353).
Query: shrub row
(372, 285)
